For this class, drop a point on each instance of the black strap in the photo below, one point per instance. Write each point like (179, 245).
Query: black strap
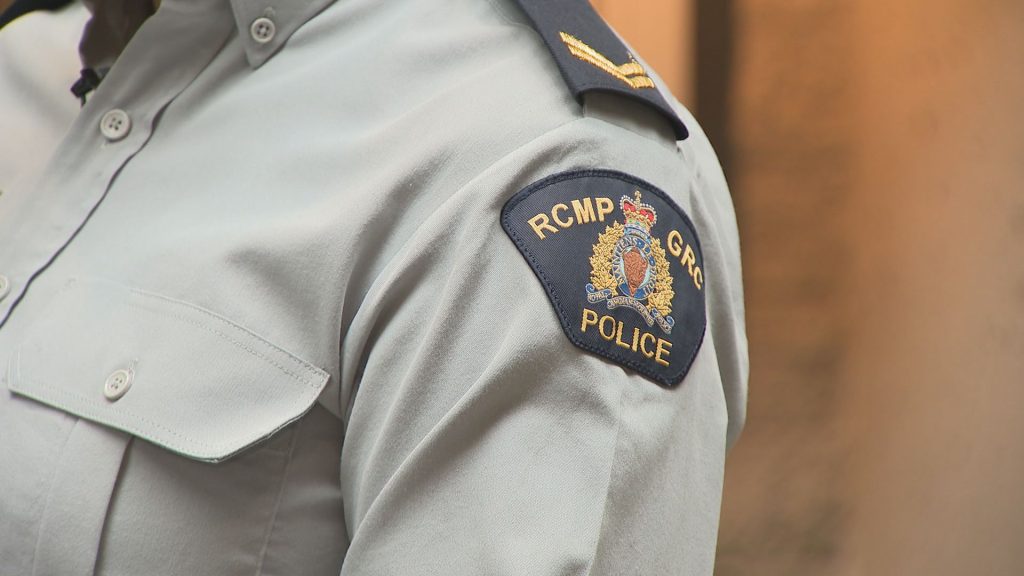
(591, 57)
(88, 81)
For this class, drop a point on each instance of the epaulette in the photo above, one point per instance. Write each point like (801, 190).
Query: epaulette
(592, 58)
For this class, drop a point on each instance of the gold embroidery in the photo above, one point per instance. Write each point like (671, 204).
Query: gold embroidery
(601, 269)
(632, 73)
(581, 211)
(687, 257)
(661, 298)
(630, 268)
(601, 262)
(638, 342)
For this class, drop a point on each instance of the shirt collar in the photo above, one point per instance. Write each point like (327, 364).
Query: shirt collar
(284, 16)
(265, 25)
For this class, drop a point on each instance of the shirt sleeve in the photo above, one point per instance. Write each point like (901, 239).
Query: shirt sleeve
(480, 440)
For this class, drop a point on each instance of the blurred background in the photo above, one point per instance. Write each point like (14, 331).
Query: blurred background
(876, 156)
(875, 152)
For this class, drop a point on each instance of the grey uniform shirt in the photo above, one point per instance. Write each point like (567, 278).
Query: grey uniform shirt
(34, 75)
(262, 317)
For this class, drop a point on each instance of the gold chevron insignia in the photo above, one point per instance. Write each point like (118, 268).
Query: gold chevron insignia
(632, 73)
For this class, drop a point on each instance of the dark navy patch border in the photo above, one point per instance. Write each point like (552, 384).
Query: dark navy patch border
(568, 324)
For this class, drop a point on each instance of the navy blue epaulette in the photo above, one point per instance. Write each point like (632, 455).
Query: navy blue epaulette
(592, 58)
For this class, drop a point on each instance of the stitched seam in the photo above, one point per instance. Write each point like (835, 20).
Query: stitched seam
(47, 498)
(300, 379)
(127, 427)
(535, 265)
(100, 537)
(277, 501)
(297, 361)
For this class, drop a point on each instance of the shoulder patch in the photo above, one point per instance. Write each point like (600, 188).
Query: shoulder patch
(622, 266)
(591, 57)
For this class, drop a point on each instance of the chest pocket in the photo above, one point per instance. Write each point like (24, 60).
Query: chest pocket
(163, 370)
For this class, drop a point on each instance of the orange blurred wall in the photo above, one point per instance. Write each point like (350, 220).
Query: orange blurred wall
(878, 174)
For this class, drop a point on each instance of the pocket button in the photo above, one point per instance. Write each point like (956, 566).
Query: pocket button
(117, 385)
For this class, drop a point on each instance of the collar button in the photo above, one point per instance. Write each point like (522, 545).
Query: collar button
(262, 30)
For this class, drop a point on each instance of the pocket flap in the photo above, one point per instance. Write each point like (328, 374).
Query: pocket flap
(197, 384)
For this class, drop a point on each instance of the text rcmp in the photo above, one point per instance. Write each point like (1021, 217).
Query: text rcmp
(590, 210)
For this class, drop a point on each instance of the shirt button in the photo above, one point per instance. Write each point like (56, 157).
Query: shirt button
(263, 30)
(5, 286)
(115, 124)
(117, 384)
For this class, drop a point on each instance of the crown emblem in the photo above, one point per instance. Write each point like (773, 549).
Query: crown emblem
(637, 213)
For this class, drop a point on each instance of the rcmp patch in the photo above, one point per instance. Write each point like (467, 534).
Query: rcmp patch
(622, 265)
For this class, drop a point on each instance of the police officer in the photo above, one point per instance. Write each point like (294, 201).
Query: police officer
(369, 287)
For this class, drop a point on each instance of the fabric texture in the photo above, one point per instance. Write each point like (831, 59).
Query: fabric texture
(333, 204)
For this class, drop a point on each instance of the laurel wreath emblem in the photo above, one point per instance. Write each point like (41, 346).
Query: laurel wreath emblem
(602, 277)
